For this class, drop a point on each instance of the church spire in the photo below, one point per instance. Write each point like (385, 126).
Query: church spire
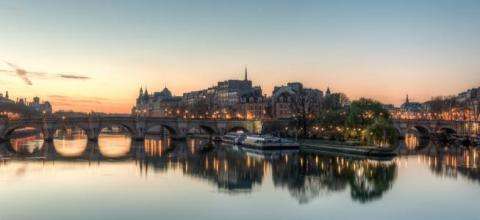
(246, 74)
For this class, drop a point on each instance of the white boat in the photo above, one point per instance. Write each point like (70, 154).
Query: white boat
(268, 142)
(235, 138)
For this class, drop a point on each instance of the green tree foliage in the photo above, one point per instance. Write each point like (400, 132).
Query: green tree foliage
(334, 102)
(381, 132)
(363, 112)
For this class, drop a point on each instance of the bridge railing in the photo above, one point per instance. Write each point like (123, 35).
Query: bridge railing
(111, 118)
(435, 120)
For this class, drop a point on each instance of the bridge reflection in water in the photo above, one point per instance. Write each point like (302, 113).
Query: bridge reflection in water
(307, 176)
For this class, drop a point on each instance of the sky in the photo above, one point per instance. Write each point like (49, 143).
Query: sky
(371, 48)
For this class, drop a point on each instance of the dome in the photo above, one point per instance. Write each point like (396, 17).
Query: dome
(166, 93)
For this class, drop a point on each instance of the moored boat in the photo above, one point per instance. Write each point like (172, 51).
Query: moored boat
(235, 138)
(268, 142)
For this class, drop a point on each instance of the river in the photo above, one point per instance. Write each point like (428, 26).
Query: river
(116, 178)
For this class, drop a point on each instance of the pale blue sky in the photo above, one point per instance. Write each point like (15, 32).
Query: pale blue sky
(381, 49)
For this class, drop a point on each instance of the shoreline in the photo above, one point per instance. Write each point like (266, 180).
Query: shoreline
(353, 150)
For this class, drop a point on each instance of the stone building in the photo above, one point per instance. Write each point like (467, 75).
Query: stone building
(158, 104)
(293, 99)
(224, 99)
(252, 105)
(233, 99)
(45, 107)
(468, 95)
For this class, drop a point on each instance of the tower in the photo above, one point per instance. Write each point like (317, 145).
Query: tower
(141, 92)
(328, 91)
(6, 95)
(246, 74)
(406, 100)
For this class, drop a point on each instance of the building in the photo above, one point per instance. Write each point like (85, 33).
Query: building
(44, 108)
(233, 99)
(469, 95)
(293, 99)
(411, 106)
(252, 105)
(228, 93)
(195, 97)
(225, 99)
(158, 104)
(5, 99)
(22, 107)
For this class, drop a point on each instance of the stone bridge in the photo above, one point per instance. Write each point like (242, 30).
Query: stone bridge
(136, 126)
(427, 128)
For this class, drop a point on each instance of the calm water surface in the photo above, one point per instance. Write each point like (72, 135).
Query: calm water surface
(164, 179)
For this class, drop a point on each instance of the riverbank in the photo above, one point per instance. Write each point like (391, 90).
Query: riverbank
(347, 149)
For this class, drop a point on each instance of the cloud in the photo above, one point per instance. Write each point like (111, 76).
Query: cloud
(72, 76)
(25, 75)
(20, 72)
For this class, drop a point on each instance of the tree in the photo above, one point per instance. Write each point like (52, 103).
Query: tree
(363, 112)
(381, 132)
(304, 106)
(334, 101)
(441, 104)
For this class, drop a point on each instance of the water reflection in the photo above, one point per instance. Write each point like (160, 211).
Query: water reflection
(443, 159)
(114, 146)
(27, 145)
(307, 176)
(70, 143)
(26, 141)
(414, 142)
(452, 163)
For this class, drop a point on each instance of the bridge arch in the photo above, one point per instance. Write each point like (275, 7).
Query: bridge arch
(72, 126)
(130, 129)
(9, 130)
(28, 143)
(422, 130)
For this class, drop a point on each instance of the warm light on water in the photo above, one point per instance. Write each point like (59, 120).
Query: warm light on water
(165, 179)
(113, 146)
